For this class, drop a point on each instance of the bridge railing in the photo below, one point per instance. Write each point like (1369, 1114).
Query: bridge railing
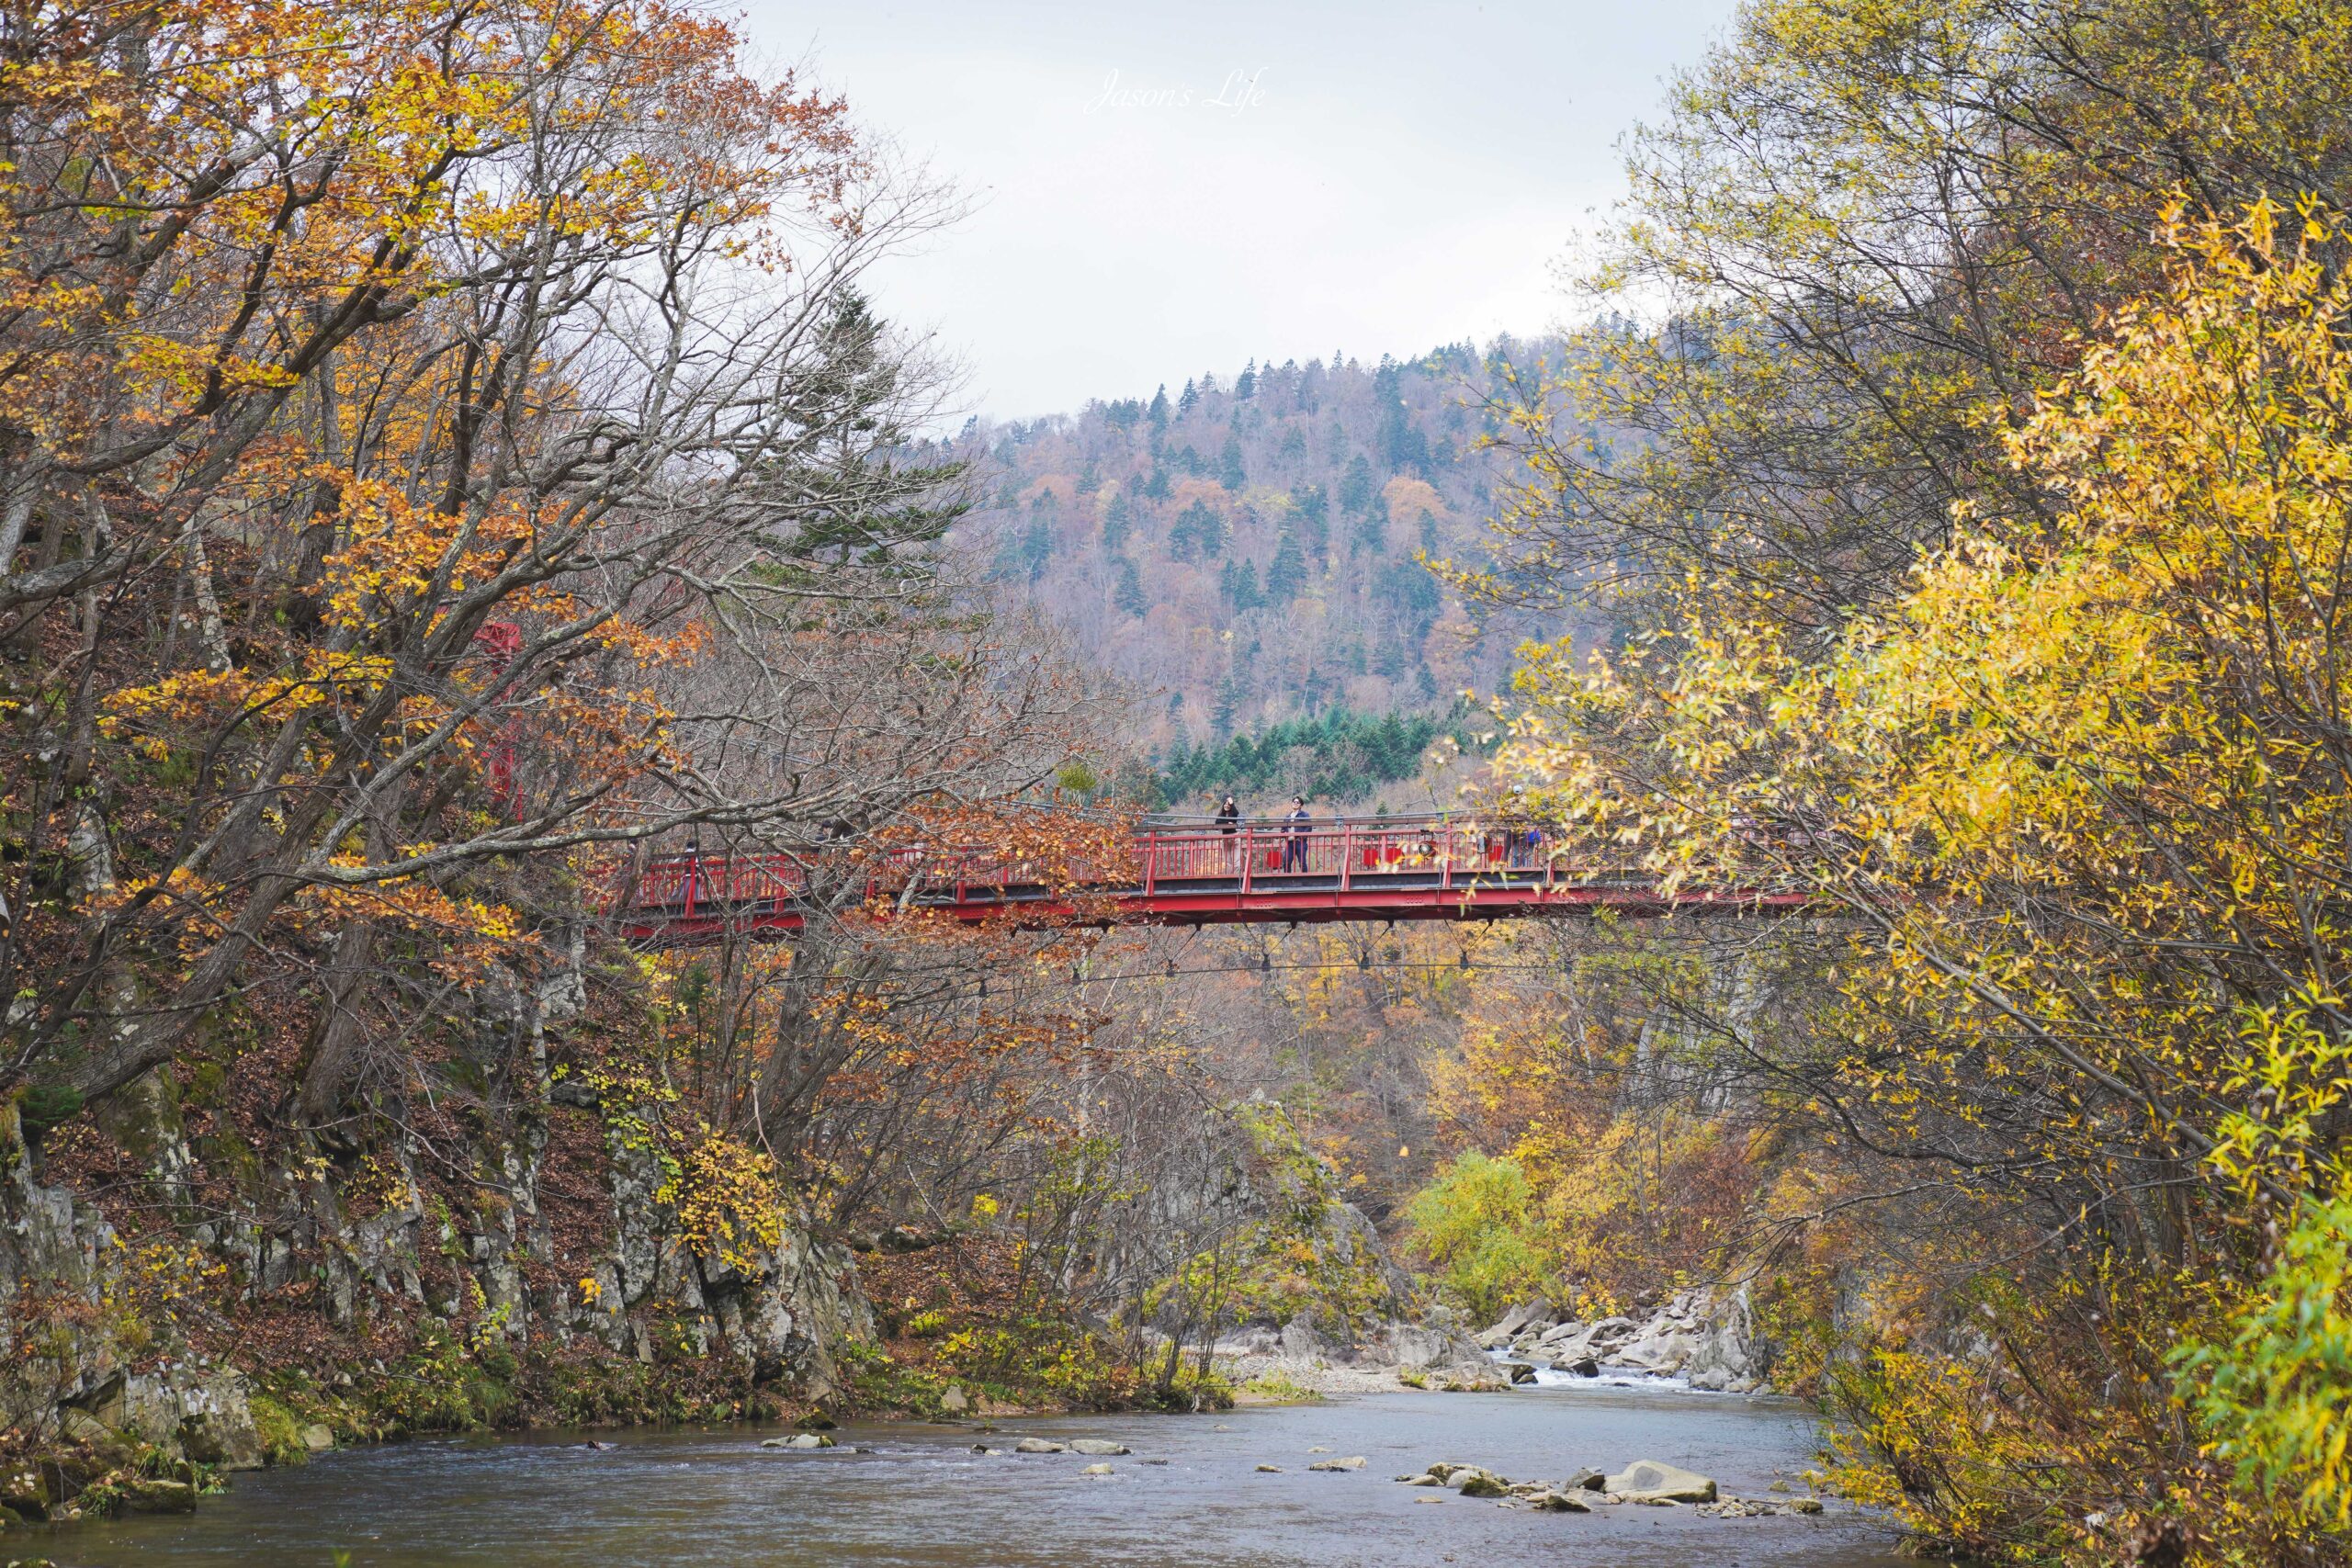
(1381, 847)
(1384, 851)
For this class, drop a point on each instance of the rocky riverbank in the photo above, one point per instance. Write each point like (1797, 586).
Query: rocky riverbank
(1300, 1359)
(1703, 1339)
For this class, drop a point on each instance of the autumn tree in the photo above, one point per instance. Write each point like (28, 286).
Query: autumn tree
(451, 446)
(1877, 231)
(2078, 791)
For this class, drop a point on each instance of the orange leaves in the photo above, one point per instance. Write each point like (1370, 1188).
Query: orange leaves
(467, 935)
(195, 697)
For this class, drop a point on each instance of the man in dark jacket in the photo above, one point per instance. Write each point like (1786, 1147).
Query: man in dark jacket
(1294, 847)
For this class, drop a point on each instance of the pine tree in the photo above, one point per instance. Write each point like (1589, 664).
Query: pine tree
(1246, 388)
(1212, 528)
(1159, 407)
(1408, 590)
(1185, 405)
(1372, 529)
(1036, 544)
(1118, 522)
(1229, 692)
(1287, 576)
(1128, 594)
(1402, 447)
(1198, 529)
(1239, 584)
(1230, 470)
(1313, 505)
(1428, 533)
(1156, 487)
(1356, 487)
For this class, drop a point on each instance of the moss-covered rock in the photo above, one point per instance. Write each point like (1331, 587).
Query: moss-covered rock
(146, 1496)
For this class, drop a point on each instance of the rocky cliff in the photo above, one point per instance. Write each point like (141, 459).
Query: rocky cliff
(184, 1285)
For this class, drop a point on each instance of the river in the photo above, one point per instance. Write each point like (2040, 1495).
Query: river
(920, 1498)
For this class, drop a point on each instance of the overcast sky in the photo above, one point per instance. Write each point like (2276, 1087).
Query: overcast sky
(1170, 188)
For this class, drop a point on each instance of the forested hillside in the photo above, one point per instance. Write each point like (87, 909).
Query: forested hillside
(1245, 549)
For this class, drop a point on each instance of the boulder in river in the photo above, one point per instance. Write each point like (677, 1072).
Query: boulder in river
(1096, 1469)
(1738, 1508)
(1471, 1479)
(1097, 1446)
(1648, 1480)
(954, 1401)
(1468, 1379)
(1585, 1480)
(1039, 1446)
(1353, 1461)
(144, 1496)
(1269, 1470)
(1537, 1313)
(1551, 1502)
(798, 1440)
(1520, 1371)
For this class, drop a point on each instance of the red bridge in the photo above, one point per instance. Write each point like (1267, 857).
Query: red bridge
(1382, 868)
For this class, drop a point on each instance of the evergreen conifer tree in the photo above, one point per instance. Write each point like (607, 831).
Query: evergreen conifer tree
(1313, 505)
(1036, 544)
(1287, 576)
(1229, 470)
(1128, 594)
(1229, 692)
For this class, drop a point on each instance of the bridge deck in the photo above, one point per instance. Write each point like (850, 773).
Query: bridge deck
(1365, 869)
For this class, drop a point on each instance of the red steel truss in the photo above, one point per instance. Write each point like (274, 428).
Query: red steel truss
(1359, 869)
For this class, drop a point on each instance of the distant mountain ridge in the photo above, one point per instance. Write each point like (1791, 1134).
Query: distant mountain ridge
(1245, 549)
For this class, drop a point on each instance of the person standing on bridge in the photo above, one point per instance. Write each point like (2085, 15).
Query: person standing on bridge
(1228, 817)
(1294, 847)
